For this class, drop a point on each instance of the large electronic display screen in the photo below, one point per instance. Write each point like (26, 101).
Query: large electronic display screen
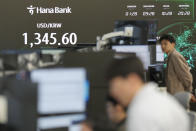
(28, 24)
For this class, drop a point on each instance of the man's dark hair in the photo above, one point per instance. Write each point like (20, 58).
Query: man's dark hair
(114, 102)
(124, 67)
(111, 99)
(170, 38)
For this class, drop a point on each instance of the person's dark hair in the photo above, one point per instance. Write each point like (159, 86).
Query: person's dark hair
(112, 100)
(170, 38)
(124, 67)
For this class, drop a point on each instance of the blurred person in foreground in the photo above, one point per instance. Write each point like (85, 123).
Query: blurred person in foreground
(86, 125)
(148, 108)
(178, 76)
(116, 113)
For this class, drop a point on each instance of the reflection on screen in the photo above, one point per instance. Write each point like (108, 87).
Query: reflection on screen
(61, 90)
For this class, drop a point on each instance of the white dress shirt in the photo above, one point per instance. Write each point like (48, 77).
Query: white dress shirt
(152, 110)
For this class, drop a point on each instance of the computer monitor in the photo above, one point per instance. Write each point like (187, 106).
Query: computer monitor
(157, 74)
(144, 31)
(96, 64)
(159, 54)
(141, 51)
(60, 123)
(122, 55)
(61, 90)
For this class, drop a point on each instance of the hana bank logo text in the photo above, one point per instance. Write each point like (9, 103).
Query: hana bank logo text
(56, 10)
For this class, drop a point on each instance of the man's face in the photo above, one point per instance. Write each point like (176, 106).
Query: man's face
(86, 127)
(167, 46)
(121, 90)
(111, 111)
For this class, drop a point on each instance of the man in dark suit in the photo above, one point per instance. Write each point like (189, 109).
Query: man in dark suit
(178, 76)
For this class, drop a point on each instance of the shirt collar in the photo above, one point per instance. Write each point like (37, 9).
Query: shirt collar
(171, 51)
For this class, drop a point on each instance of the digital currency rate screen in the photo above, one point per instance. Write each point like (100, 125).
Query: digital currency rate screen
(28, 24)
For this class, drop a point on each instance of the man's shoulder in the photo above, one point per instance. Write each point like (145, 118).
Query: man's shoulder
(151, 105)
(148, 96)
(153, 100)
(176, 55)
(156, 105)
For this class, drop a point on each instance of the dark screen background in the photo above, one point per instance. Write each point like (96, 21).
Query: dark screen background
(89, 18)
